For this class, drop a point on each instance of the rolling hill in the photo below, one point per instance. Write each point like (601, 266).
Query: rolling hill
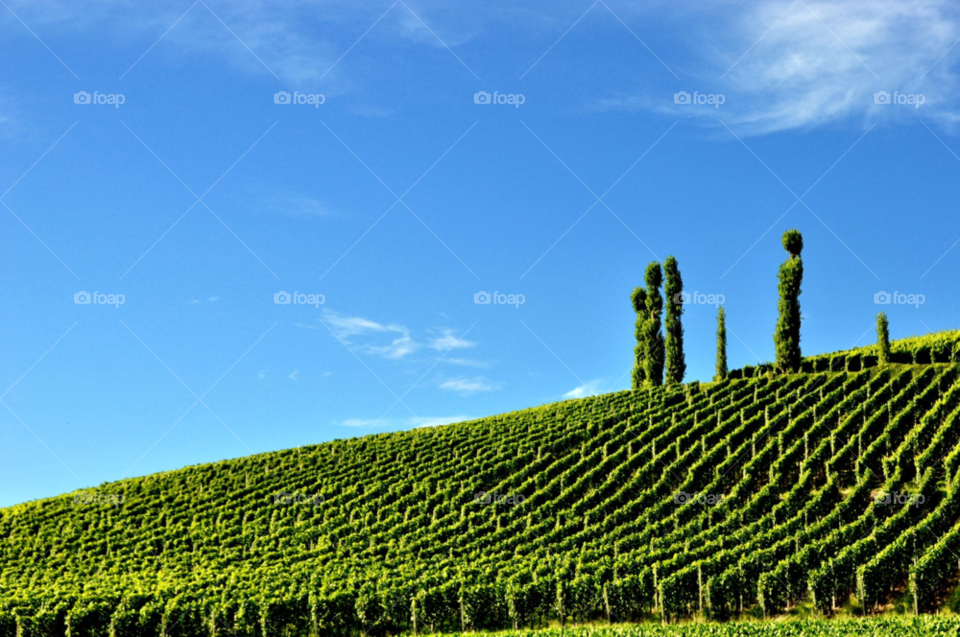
(836, 487)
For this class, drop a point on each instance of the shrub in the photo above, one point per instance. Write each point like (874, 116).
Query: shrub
(673, 290)
(883, 338)
(721, 345)
(639, 300)
(653, 339)
(786, 338)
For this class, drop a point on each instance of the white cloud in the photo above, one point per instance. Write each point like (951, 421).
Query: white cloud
(449, 340)
(294, 40)
(437, 420)
(346, 326)
(466, 362)
(295, 205)
(592, 388)
(809, 64)
(468, 385)
(359, 422)
(411, 422)
(294, 375)
(400, 346)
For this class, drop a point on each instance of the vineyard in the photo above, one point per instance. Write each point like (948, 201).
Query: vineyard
(751, 497)
(924, 627)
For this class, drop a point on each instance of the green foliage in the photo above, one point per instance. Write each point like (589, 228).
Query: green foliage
(639, 300)
(793, 242)
(883, 339)
(940, 347)
(676, 365)
(396, 540)
(721, 373)
(856, 627)
(653, 339)
(786, 338)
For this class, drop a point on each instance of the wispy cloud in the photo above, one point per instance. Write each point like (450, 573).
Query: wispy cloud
(449, 340)
(401, 343)
(592, 388)
(466, 362)
(346, 326)
(394, 423)
(397, 348)
(298, 41)
(296, 205)
(468, 385)
(794, 64)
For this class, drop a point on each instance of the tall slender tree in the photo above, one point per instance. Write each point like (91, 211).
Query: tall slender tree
(787, 335)
(883, 338)
(673, 291)
(639, 300)
(653, 339)
(721, 345)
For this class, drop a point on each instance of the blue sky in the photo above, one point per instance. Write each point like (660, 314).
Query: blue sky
(399, 198)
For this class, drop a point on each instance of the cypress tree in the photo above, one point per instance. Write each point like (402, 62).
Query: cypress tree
(673, 291)
(883, 338)
(786, 338)
(721, 345)
(639, 300)
(653, 339)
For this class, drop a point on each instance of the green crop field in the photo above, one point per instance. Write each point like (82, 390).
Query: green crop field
(926, 626)
(828, 492)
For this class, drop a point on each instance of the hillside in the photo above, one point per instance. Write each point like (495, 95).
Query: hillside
(744, 497)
